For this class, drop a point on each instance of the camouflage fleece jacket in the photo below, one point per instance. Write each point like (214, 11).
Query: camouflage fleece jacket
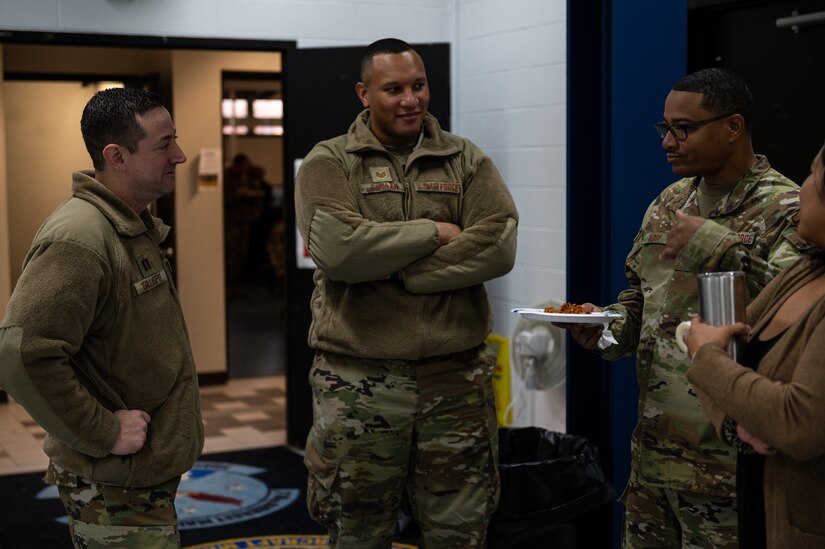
(753, 229)
(95, 325)
(384, 288)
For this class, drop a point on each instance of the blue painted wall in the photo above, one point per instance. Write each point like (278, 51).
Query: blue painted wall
(648, 55)
(623, 58)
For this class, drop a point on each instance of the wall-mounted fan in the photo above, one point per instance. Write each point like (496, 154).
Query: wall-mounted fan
(538, 352)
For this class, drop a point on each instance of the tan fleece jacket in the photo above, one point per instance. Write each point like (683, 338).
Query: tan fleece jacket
(94, 325)
(384, 287)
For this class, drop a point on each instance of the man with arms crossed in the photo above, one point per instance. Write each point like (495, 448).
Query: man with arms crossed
(405, 222)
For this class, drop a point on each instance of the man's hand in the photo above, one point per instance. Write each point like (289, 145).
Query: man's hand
(446, 231)
(586, 335)
(681, 232)
(134, 425)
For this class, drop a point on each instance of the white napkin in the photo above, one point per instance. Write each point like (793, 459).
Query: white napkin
(607, 338)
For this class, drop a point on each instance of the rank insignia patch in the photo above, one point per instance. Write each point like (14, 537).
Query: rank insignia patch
(145, 265)
(380, 174)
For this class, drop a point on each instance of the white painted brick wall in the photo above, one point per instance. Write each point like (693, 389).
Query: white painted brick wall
(508, 80)
(309, 22)
(510, 98)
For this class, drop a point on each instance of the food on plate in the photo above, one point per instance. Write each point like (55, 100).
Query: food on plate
(567, 308)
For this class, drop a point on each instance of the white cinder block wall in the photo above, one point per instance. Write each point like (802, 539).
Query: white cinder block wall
(509, 82)
(510, 79)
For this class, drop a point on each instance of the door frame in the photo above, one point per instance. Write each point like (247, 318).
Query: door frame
(285, 47)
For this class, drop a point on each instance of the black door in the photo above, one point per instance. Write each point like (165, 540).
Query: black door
(320, 103)
(783, 68)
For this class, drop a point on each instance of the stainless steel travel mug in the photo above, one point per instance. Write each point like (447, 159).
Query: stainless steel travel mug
(722, 301)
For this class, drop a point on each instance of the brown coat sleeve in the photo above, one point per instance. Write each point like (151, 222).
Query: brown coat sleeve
(790, 415)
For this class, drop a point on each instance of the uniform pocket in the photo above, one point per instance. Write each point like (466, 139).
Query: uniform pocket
(323, 493)
(112, 469)
(799, 539)
(803, 489)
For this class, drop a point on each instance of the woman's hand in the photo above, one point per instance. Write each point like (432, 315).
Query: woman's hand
(759, 445)
(701, 334)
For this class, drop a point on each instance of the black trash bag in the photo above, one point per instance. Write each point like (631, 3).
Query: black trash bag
(548, 480)
(406, 529)
(553, 473)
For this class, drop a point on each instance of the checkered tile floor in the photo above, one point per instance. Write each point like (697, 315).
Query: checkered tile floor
(243, 413)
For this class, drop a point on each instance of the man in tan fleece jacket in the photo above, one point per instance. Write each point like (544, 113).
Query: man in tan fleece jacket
(405, 223)
(94, 344)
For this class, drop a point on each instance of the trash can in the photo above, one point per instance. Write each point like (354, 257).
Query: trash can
(548, 481)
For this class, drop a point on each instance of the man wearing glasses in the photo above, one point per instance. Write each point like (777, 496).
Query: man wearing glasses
(730, 212)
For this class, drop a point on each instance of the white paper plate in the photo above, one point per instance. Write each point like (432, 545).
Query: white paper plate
(590, 318)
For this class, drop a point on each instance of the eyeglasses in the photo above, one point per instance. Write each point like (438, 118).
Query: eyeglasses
(680, 131)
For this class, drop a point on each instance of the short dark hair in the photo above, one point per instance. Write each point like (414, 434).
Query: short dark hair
(239, 158)
(380, 47)
(110, 116)
(722, 92)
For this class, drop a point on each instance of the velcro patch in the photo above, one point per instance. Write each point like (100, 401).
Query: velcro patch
(438, 187)
(151, 281)
(380, 173)
(144, 263)
(391, 186)
(655, 238)
(746, 238)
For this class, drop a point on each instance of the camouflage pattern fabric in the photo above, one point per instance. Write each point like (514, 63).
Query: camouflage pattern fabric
(102, 516)
(383, 424)
(753, 229)
(662, 519)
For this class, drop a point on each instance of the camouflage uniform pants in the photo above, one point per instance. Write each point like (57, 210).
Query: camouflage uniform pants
(114, 517)
(381, 425)
(668, 519)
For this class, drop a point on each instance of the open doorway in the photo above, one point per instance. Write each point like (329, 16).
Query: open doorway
(191, 69)
(253, 193)
(190, 80)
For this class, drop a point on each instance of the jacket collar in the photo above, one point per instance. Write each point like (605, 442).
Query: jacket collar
(730, 203)
(125, 221)
(435, 142)
(795, 276)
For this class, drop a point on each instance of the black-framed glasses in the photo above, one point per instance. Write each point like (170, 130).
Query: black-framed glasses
(680, 131)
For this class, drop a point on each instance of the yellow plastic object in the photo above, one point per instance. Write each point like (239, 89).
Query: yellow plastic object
(500, 347)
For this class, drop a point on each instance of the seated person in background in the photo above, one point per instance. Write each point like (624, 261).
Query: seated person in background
(772, 407)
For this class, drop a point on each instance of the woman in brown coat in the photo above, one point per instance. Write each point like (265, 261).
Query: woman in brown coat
(772, 407)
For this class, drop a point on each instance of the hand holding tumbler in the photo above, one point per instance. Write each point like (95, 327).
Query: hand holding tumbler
(721, 302)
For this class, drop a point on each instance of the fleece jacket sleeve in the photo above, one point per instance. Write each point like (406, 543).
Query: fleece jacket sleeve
(344, 245)
(485, 248)
(49, 315)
